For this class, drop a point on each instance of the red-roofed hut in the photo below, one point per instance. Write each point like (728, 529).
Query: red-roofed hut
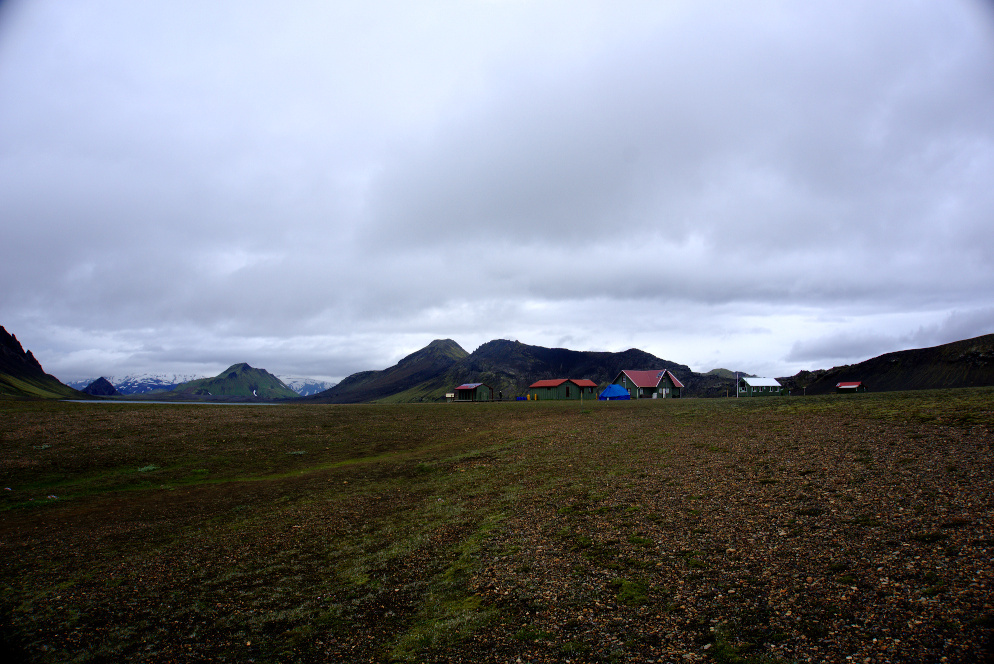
(562, 388)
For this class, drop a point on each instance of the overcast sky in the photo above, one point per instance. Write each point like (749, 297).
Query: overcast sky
(318, 188)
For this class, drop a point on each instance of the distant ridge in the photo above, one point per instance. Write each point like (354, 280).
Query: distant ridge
(728, 373)
(305, 386)
(21, 374)
(967, 363)
(511, 366)
(143, 383)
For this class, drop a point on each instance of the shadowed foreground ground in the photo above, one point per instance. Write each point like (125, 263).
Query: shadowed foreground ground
(827, 529)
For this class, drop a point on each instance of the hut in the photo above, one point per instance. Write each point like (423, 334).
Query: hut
(474, 392)
(652, 384)
(754, 386)
(562, 388)
(850, 387)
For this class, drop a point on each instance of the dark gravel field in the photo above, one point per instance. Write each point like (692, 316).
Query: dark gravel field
(851, 528)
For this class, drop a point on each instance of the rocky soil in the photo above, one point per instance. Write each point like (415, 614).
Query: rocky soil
(825, 529)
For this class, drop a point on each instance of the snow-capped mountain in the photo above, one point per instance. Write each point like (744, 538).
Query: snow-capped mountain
(305, 387)
(140, 383)
(145, 383)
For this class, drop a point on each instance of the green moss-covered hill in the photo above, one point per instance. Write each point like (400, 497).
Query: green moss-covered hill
(238, 380)
(21, 375)
(723, 373)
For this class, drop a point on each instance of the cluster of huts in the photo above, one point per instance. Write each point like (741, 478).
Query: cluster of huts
(628, 384)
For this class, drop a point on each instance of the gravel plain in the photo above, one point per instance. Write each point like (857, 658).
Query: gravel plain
(827, 529)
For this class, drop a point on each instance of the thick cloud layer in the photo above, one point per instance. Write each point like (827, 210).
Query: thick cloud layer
(319, 189)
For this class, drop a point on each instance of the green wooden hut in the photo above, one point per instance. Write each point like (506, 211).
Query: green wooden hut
(562, 388)
(474, 392)
(760, 387)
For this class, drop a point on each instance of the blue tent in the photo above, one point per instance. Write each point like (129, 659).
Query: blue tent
(614, 393)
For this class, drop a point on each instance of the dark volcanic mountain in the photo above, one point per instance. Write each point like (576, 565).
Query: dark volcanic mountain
(416, 369)
(238, 380)
(21, 374)
(968, 363)
(511, 366)
(507, 366)
(101, 387)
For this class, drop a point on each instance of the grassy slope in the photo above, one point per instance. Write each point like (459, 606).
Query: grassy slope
(601, 532)
(42, 387)
(239, 380)
(21, 376)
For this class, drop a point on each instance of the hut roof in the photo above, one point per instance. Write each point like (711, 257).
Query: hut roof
(583, 382)
(650, 378)
(755, 381)
(551, 382)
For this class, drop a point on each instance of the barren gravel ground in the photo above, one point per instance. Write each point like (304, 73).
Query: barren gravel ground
(820, 529)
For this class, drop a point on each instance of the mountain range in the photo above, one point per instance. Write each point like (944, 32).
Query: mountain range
(507, 366)
(511, 366)
(135, 384)
(239, 382)
(139, 383)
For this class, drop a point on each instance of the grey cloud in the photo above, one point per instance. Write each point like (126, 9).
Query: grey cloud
(855, 346)
(350, 182)
(838, 348)
(758, 160)
(955, 326)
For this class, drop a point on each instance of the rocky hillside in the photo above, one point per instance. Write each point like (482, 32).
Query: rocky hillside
(968, 363)
(21, 374)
